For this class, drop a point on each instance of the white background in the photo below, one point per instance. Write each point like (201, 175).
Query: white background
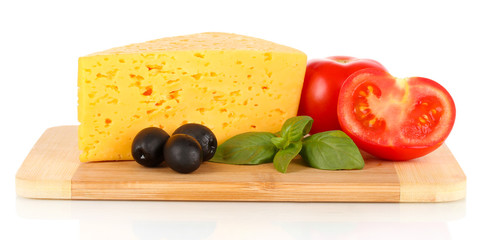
(41, 40)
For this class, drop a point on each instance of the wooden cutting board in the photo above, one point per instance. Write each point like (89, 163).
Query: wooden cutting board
(52, 171)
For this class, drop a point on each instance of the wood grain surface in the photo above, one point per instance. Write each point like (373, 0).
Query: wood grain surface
(52, 171)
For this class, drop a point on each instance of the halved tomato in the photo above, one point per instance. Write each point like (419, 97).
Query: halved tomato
(395, 118)
(322, 83)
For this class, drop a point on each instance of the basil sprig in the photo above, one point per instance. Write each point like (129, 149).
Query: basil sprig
(332, 150)
(290, 141)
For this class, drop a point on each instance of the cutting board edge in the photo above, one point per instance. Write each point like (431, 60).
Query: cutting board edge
(47, 189)
(244, 191)
(34, 180)
(432, 185)
(449, 192)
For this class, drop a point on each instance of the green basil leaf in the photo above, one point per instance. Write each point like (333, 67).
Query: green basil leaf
(280, 142)
(295, 128)
(246, 148)
(332, 150)
(284, 156)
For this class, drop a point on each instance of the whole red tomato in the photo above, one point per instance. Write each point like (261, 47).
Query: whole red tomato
(395, 118)
(321, 87)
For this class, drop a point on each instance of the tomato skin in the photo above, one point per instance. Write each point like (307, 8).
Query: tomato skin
(410, 128)
(322, 84)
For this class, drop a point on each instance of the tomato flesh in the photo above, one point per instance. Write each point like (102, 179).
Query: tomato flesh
(424, 118)
(395, 119)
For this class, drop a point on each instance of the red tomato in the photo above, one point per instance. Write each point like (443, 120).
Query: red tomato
(395, 118)
(322, 83)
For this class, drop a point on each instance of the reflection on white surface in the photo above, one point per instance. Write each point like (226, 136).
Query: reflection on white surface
(248, 220)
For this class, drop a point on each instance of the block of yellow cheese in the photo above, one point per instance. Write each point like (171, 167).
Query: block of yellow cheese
(227, 82)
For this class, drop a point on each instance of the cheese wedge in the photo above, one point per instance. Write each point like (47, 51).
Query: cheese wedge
(230, 83)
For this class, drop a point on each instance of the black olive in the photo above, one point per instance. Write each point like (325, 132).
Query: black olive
(203, 135)
(147, 147)
(183, 153)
